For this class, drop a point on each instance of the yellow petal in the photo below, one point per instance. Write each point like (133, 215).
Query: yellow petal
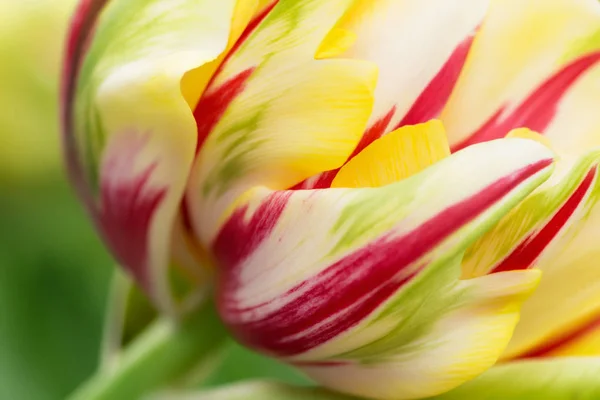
(576, 126)
(336, 43)
(525, 133)
(195, 81)
(547, 379)
(396, 156)
(586, 343)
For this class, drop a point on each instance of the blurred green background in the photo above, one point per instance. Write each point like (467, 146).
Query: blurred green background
(54, 272)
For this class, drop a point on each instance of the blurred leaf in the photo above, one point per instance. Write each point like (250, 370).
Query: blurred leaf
(54, 276)
(54, 281)
(32, 33)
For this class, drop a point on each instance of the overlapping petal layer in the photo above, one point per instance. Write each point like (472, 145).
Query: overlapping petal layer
(129, 133)
(438, 30)
(419, 48)
(364, 288)
(553, 229)
(396, 156)
(273, 115)
(360, 287)
(522, 69)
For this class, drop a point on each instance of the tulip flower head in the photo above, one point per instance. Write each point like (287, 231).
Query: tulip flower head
(375, 187)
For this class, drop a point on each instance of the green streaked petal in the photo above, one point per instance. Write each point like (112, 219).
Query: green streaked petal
(291, 116)
(554, 230)
(530, 218)
(360, 287)
(571, 279)
(548, 379)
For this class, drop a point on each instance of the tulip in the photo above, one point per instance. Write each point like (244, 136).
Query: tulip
(342, 169)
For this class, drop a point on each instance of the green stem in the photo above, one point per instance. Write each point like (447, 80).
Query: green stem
(163, 353)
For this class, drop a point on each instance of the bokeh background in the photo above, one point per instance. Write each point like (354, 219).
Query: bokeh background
(54, 272)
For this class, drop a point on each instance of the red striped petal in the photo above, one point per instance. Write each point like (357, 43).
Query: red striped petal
(127, 205)
(536, 111)
(427, 106)
(524, 255)
(432, 100)
(351, 288)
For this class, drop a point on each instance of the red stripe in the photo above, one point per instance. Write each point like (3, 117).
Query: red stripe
(374, 132)
(251, 27)
(215, 101)
(538, 110)
(435, 96)
(243, 237)
(128, 203)
(526, 253)
(562, 341)
(78, 39)
(428, 105)
(349, 290)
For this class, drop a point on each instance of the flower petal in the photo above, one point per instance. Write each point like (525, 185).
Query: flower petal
(581, 340)
(273, 115)
(342, 282)
(465, 340)
(411, 42)
(129, 133)
(194, 82)
(419, 47)
(552, 230)
(526, 133)
(551, 379)
(396, 156)
(521, 68)
(576, 125)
